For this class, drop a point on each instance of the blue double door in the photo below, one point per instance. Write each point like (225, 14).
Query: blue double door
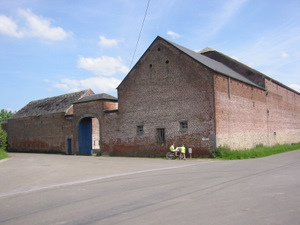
(85, 136)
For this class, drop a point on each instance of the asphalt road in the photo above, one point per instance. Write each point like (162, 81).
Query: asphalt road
(56, 189)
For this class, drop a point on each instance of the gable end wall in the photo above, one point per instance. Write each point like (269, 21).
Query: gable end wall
(165, 87)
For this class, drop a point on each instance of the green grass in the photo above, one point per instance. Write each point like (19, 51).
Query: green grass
(3, 154)
(257, 152)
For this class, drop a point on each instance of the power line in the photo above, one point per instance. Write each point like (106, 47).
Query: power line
(140, 33)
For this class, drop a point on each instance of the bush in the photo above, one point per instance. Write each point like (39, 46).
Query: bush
(3, 139)
(221, 152)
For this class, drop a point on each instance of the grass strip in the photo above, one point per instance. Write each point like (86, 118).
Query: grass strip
(3, 154)
(257, 152)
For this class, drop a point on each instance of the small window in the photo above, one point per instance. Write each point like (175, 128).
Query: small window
(161, 135)
(183, 125)
(140, 129)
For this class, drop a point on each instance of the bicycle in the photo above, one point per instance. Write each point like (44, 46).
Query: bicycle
(171, 155)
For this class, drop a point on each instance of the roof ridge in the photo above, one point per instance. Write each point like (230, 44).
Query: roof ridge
(206, 49)
(94, 97)
(67, 94)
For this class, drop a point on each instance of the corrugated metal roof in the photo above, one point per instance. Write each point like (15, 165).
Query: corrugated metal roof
(49, 105)
(213, 64)
(95, 97)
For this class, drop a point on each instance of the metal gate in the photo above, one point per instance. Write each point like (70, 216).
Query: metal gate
(85, 136)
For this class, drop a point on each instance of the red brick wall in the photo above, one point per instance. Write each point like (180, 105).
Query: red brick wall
(283, 114)
(45, 133)
(164, 88)
(94, 110)
(107, 105)
(248, 116)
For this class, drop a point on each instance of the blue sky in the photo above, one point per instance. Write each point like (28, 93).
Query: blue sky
(53, 47)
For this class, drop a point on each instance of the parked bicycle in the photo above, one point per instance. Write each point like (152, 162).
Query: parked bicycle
(171, 155)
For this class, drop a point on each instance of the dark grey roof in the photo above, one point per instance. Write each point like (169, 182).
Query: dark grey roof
(217, 54)
(212, 64)
(95, 97)
(49, 105)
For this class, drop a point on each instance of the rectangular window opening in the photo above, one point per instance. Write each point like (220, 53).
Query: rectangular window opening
(140, 129)
(161, 135)
(183, 125)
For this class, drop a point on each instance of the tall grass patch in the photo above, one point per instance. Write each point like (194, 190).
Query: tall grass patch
(257, 152)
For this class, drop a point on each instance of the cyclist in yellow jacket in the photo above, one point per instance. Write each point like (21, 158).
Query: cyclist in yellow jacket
(172, 149)
(182, 149)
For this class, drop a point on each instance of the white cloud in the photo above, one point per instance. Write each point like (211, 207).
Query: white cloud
(173, 34)
(34, 26)
(104, 42)
(97, 84)
(295, 87)
(284, 55)
(9, 27)
(104, 65)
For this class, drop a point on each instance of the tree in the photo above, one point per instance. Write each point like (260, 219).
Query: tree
(5, 114)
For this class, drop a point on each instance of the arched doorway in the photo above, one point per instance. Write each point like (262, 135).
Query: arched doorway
(89, 135)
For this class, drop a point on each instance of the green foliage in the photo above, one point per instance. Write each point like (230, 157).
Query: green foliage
(257, 152)
(4, 115)
(3, 140)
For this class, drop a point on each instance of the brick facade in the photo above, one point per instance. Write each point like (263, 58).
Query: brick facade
(44, 125)
(95, 111)
(40, 134)
(172, 95)
(283, 110)
(248, 116)
(241, 114)
(164, 88)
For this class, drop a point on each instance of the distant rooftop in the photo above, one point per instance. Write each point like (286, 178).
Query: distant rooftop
(45, 106)
(207, 49)
(95, 97)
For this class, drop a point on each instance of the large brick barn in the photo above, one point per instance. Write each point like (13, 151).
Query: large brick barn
(172, 95)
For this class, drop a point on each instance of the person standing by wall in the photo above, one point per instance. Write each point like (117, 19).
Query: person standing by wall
(183, 151)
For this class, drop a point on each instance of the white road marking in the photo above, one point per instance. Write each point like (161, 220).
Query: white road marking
(82, 181)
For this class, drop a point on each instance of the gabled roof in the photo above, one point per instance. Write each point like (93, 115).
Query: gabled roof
(212, 64)
(206, 61)
(45, 106)
(95, 97)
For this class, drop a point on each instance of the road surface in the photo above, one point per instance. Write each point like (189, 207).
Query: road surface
(57, 189)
